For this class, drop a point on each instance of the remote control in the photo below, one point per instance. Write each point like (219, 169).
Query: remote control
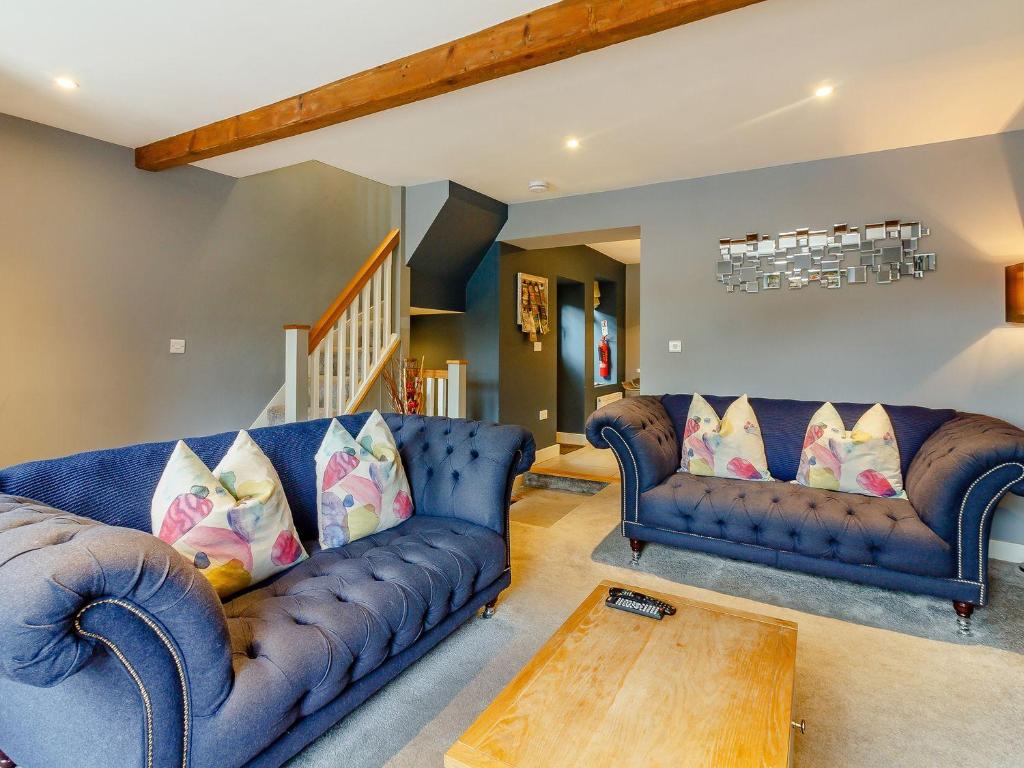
(634, 606)
(666, 608)
(636, 602)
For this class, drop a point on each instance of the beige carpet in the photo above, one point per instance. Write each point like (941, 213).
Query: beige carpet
(871, 697)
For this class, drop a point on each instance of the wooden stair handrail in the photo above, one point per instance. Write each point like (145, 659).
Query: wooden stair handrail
(344, 299)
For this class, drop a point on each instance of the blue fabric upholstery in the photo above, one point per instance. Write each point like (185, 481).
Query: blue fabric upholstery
(300, 642)
(81, 483)
(642, 424)
(957, 479)
(848, 527)
(784, 424)
(956, 467)
(94, 611)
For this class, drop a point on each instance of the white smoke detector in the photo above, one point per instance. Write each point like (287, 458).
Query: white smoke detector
(539, 186)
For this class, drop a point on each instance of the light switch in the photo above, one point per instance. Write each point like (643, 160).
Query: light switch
(675, 345)
(543, 415)
(538, 346)
(177, 346)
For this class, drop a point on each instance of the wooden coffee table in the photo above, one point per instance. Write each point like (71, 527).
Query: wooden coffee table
(709, 686)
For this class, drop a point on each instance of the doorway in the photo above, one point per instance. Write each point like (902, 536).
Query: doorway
(572, 347)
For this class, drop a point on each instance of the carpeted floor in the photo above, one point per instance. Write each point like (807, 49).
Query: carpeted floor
(1000, 624)
(870, 696)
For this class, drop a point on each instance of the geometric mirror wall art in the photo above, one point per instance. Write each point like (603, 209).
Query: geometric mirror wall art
(881, 253)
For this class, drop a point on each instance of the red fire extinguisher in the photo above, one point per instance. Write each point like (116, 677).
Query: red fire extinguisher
(604, 352)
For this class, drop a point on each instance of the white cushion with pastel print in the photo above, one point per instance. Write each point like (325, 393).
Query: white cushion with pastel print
(728, 447)
(233, 523)
(361, 483)
(865, 459)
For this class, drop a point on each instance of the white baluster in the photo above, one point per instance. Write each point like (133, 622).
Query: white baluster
(296, 373)
(429, 395)
(321, 371)
(387, 298)
(376, 318)
(365, 356)
(457, 388)
(328, 373)
(339, 359)
(310, 384)
(442, 397)
(353, 351)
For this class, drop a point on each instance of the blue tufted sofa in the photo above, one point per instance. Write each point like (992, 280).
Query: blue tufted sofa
(956, 468)
(114, 650)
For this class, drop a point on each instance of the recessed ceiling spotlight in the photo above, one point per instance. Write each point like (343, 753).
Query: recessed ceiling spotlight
(66, 83)
(824, 91)
(539, 186)
(572, 143)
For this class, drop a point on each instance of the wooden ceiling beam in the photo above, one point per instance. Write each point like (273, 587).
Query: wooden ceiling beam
(550, 34)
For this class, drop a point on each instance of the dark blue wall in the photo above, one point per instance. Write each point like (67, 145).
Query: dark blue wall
(452, 248)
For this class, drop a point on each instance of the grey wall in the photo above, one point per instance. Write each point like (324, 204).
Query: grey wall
(939, 341)
(472, 336)
(454, 244)
(632, 335)
(507, 380)
(529, 380)
(101, 264)
(436, 339)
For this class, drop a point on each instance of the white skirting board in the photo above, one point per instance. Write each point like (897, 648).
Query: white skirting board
(1006, 550)
(570, 438)
(544, 454)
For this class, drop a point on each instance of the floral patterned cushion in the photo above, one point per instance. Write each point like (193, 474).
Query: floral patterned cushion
(727, 447)
(361, 483)
(862, 460)
(233, 523)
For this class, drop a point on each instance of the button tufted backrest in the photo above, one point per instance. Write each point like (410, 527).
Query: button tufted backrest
(461, 468)
(784, 423)
(116, 486)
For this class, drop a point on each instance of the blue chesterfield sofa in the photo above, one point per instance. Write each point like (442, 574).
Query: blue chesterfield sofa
(956, 468)
(114, 650)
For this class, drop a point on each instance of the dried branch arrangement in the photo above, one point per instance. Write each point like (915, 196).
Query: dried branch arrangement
(403, 383)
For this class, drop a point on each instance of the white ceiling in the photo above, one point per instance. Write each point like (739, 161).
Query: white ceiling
(626, 251)
(725, 94)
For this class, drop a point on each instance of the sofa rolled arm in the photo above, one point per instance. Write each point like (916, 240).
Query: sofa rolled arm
(462, 469)
(958, 478)
(68, 583)
(640, 432)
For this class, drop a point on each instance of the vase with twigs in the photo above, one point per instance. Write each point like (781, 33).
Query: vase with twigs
(403, 384)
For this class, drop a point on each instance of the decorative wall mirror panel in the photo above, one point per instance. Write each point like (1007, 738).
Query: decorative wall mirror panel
(883, 253)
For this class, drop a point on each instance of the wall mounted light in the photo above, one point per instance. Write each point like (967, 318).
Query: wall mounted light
(1015, 293)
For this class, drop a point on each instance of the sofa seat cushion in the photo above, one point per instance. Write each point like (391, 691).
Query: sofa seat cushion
(850, 528)
(302, 639)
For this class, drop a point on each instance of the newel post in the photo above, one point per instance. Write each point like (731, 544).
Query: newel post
(457, 388)
(296, 373)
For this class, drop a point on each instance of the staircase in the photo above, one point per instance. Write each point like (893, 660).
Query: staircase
(332, 366)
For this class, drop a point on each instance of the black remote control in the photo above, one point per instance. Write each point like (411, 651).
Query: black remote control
(639, 603)
(667, 608)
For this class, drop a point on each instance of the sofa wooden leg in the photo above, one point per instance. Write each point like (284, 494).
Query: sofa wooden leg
(963, 615)
(5, 761)
(486, 613)
(637, 547)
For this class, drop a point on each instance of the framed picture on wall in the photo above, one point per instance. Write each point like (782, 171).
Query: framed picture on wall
(532, 304)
